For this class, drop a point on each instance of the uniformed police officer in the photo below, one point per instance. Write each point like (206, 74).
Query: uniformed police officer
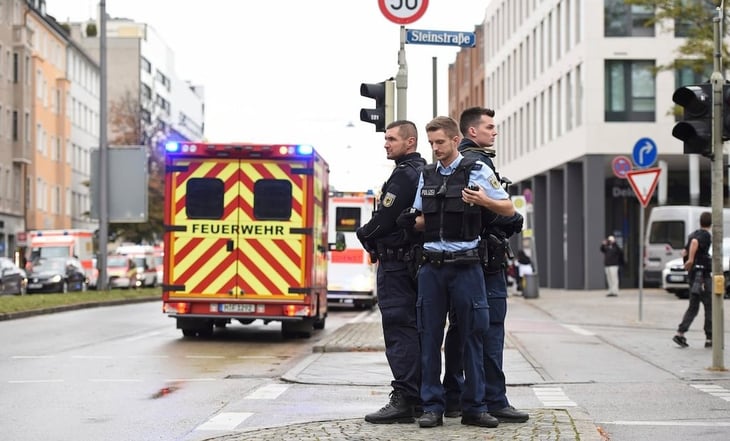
(450, 197)
(396, 284)
(477, 126)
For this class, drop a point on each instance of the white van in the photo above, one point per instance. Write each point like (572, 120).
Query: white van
(351, 277)
(666, 235)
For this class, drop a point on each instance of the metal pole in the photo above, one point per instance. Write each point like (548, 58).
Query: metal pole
(401, 79)
(103, 153)
(434, 65)
(641, 265)
(718, 279)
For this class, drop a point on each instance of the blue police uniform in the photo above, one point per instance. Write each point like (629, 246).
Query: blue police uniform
(396, 288)
(459, 286)
(496, 287)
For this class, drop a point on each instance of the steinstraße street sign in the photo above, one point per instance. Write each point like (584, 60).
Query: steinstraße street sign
(621, 165)
(403, 11)
(644, 182)
(444, 38)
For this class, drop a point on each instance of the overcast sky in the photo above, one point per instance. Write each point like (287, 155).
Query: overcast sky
(289, 71)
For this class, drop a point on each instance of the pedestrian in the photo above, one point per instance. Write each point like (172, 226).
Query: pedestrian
(448, 209)
(396, 285)
(699, 266)
(524, 268)
(477, 126)
(613, 258)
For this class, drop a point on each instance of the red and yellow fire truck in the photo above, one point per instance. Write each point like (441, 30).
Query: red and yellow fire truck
(245, 236)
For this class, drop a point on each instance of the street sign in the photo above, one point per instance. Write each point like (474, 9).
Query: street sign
(444, 38)
(403, 11)
(621, 165)
(644, 182)
(645, 153)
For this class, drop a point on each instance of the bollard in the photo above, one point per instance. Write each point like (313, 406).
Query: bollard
(530, 290)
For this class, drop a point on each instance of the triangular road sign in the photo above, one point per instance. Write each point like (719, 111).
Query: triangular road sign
(643, 182)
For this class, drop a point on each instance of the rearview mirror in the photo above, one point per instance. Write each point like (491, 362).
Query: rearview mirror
(339, 244)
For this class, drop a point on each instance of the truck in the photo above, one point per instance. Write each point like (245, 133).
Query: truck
(245, 236)
(351, 273)
(62, 243)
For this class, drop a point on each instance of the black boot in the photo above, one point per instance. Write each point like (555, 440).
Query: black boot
(398, 410)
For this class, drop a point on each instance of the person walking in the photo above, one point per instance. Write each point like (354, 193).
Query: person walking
(478, 128)
(613, 258)
(524, 268)
(396, 285)
(448, 209)
(698, 264)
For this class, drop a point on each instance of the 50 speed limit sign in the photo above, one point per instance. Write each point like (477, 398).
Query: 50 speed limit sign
(403, 11)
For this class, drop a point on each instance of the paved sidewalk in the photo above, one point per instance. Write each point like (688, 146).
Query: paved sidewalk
(354, 356)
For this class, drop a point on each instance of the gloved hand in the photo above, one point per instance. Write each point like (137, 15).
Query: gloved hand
(514, 225)
(407, 218)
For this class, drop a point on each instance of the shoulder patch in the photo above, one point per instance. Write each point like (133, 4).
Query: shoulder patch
(388, 199)
(494, 182)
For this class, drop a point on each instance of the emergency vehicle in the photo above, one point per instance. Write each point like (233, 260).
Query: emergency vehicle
(245, 236)
(62, 243)
(351, 274)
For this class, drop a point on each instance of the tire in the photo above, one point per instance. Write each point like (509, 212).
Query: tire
(319, 324)
(189, 332)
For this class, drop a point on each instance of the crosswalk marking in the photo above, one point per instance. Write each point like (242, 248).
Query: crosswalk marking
(268, 392)
(714, 390)
(553, 397)
(225, 421)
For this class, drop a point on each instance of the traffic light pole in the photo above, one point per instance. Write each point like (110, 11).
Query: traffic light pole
(401, 79)
(718, 279)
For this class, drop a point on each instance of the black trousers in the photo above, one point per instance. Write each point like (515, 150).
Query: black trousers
(699, 294)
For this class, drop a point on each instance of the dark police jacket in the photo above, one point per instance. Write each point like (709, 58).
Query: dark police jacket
(397, 194)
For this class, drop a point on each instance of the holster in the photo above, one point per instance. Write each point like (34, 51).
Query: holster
(497, 250)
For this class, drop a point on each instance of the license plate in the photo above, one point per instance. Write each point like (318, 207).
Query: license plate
(675, 278)
(35, 285)
(237, 307)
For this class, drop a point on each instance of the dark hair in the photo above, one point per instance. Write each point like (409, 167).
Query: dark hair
(406, 128)
(471, 116)
(705, 219)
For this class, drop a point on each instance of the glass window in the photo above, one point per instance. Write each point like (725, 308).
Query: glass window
(630, 90)
(671, 232)
(684, 28)
(622, 20)
(204, 198)
(272, 199)
(347, 219)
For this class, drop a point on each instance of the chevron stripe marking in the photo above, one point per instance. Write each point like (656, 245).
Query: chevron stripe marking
(275, 263)
(217, 246)
(258, 275)
(214, 276)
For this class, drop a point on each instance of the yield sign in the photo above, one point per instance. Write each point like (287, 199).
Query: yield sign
(643, 182)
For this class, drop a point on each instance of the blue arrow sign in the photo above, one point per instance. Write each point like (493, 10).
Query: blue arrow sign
(444, 38)
(645, 153)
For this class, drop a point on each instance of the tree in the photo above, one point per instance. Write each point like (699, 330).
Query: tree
(129, 125)
(690, 18)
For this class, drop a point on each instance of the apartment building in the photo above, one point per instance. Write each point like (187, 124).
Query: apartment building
(574, 86)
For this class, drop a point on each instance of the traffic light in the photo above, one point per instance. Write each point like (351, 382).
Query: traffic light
(384, 95)
(695, 129)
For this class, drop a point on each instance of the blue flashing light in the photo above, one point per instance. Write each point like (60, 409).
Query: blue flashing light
(172, 146)
(305, 149)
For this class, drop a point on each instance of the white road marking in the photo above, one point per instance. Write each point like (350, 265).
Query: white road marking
(671, 423)
(92, 357)
(578, 329)
(35, 381)
(115, 380)
(224, 421)
(31, 357)
(553, 397)
(714, 390)
(268, 392)
(189, 379)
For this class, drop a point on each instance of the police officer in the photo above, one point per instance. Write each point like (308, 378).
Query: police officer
(477, 126)
(388, 244)
(450, 197)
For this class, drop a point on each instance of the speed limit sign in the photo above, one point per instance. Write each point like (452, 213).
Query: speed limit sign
(403, 11)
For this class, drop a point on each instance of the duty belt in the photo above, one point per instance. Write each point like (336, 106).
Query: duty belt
(451, 257)
(391, 254)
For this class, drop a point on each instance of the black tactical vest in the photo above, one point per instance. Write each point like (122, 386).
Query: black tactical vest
(447, 217)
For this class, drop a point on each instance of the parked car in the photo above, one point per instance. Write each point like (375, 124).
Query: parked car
(57, 274)
(675, 279)
(13, 279)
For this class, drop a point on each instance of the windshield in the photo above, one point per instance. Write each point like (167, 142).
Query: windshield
(50, 265)
(116, 261)
(47, 252)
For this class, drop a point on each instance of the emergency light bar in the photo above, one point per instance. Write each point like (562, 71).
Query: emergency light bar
(228, 149)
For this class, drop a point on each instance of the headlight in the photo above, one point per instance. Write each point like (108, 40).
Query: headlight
(57, 278)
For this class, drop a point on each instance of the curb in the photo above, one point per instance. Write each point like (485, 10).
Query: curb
(35, 312)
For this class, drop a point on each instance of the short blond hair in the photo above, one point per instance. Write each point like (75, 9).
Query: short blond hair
(445, 123)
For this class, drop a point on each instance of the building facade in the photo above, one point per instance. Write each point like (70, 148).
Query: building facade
(574, 87)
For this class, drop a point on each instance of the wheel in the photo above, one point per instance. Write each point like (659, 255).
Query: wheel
(189, 332)
(319, 324)
(297, 329)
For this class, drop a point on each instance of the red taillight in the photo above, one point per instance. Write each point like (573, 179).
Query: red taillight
(176, 307)
(296, 310)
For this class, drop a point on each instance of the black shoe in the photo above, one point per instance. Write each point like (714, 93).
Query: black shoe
(483, 419)
(680, 340)
(510, 415)
(708, 343)
(452, 412)
(430, 419)
(611, 294)
(417, 411)
(396, 411)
